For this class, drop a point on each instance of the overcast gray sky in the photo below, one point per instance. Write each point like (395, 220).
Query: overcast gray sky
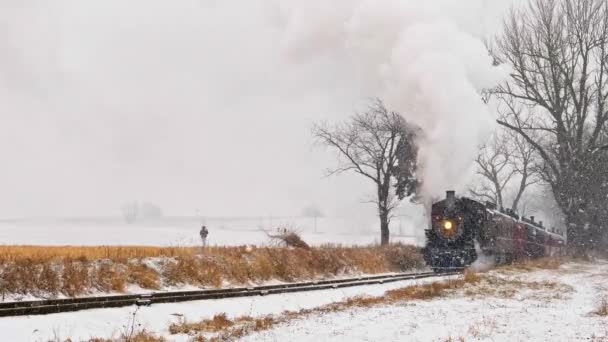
(189, 104)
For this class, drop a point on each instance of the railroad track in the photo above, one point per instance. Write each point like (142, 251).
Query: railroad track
(41, 307)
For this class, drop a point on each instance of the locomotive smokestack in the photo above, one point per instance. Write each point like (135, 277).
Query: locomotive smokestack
(532, 219)
(450, 198)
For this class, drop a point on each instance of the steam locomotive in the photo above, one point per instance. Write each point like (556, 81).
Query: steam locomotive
(462, 229)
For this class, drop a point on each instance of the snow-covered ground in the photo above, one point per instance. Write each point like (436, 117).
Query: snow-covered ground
(530, 315)
(111, 322)
(184, 231)
(559, 312)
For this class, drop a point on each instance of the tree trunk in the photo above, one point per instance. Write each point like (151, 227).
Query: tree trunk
(499, 197)
(578, 239)
(576, 247)
(522, 187)
(384, 232)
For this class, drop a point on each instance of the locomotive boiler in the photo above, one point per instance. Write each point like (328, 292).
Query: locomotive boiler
(462, 229)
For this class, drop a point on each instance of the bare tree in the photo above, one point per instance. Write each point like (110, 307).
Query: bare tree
(493, 163)
(368, 144)
(505, 161)
(130, 212)
(524, 162)
(314, 212)
(149, 210)
(558, 54)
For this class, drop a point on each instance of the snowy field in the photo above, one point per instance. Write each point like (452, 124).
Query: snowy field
(111, 322)
(184, 231)
(527, 315)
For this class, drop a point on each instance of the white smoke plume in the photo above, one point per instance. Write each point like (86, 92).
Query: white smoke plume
(426, 59)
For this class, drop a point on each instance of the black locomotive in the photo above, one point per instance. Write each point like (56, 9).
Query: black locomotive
(462, 228)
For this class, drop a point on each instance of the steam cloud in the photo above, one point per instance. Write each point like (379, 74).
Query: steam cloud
(423, 58)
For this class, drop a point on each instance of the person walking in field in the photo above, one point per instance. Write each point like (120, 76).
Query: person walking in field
(204, 232)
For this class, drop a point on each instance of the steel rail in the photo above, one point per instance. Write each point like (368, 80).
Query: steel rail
(41, 307)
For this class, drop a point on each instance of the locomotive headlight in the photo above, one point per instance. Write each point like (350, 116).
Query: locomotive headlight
(448, 228)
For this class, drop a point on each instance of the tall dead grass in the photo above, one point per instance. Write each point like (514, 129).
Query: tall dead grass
(49, 271)
(139, 336)
(602, 307)
(13, 253)
(142, 336)
(493, 285)
(548, 263)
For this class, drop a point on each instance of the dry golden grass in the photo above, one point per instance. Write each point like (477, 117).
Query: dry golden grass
(471, 277)
(225, 329)
(12, 253)
(222, 328)
(110, 278)
(602, 308)
(217, 323)
(454, 339)
(483, 329)
(143, 276)
(74, 277)
(424, 292)
(486, 285)
(141, 336)
(73, 271)
(535, 264)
